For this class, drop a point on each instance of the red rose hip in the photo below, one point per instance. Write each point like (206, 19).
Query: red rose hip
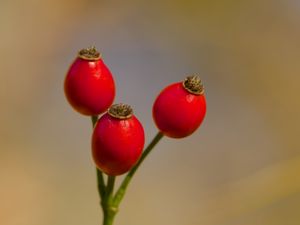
(89, 85)
(180, 108)
(117, 141)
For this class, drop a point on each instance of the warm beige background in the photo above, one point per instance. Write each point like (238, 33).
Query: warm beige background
(241, 168)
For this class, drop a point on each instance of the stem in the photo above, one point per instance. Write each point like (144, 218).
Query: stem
(122, 189)
(109, 211)
(108, 220)
(100, 183)
(110, 187)
(100, 178)
(94, 120)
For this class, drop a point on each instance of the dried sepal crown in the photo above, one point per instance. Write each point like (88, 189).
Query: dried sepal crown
(89, 53)
(193, 84)
(120, 111)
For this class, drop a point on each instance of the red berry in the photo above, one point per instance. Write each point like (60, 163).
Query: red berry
(118, 140)
(180, 108)
(89, 85)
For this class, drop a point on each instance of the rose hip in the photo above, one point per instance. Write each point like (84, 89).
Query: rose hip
(180, 108)
(89, 85)
(118, 140)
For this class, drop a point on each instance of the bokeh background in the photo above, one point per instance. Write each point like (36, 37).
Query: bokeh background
(242, 167)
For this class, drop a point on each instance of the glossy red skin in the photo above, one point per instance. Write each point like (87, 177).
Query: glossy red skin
(117, 144)
(177, 112)
(89, 86)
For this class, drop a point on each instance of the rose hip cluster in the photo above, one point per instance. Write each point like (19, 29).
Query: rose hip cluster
(118, 136)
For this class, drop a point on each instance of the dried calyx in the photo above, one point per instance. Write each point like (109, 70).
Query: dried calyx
(193, 85)
(120, 111)
(89, 53)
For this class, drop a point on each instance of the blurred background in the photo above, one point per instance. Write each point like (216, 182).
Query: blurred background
(242, 167)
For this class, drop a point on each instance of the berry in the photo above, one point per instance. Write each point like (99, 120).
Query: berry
(180, 108)
(117, 141)
(89, 85)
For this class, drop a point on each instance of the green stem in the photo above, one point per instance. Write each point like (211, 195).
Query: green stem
(100, 178)
(122, 189)
(100, 183)
(110, 187)
(108, 220)
(109, 211)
